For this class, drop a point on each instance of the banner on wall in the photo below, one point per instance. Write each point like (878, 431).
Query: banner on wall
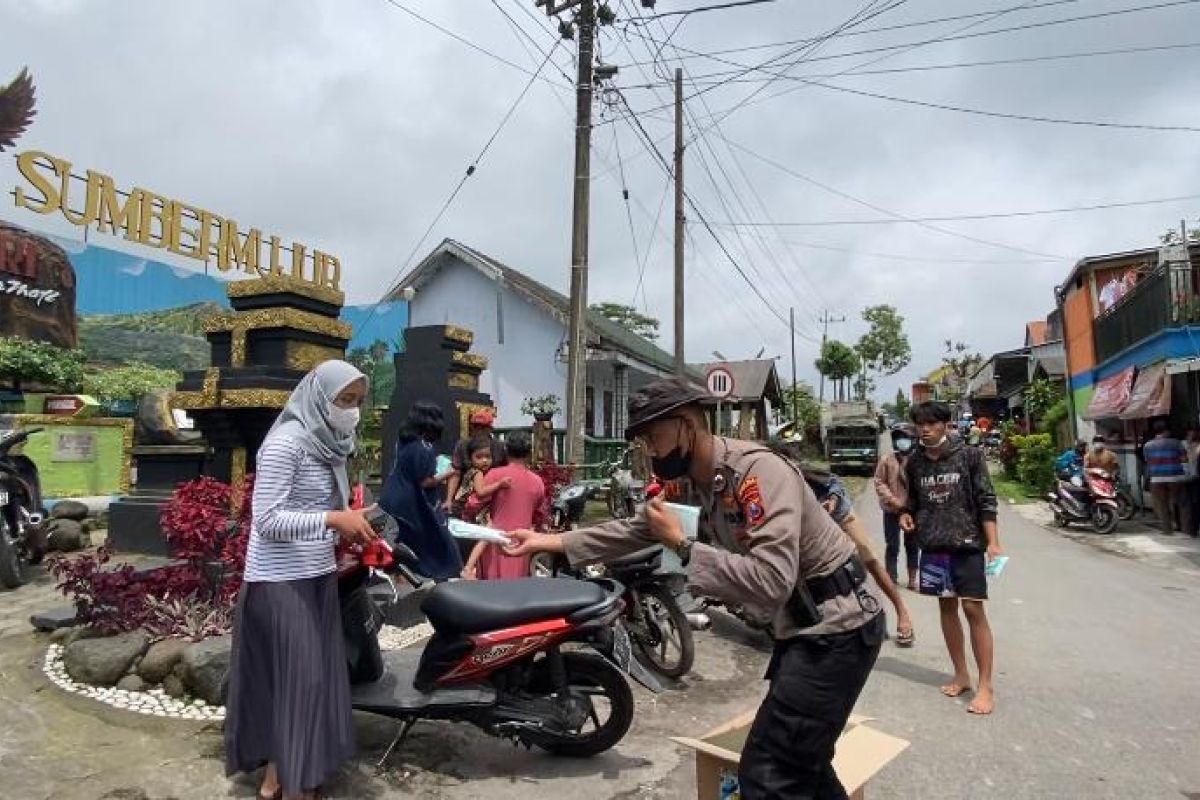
(128, 308)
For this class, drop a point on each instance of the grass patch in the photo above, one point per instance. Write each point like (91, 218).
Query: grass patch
(1013, 491)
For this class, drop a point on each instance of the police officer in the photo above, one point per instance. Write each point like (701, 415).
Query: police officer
(773, 551)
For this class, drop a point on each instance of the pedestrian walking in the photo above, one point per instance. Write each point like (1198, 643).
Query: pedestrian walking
(952, 506)
(891, 488)
(774, 552)
(289, 695)
(1166, 465)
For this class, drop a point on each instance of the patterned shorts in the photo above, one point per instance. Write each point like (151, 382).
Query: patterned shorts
(960, 575)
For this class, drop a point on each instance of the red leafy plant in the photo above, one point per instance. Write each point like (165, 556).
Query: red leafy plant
(191, 598)
(556, 477)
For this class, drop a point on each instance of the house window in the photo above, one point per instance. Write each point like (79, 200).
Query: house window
(608, 415)
(589, 412)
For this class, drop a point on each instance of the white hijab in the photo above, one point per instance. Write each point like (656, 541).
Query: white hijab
(305, 418)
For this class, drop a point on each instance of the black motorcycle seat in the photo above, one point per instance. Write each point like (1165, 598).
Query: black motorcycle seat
(480, 606)
(640, 558)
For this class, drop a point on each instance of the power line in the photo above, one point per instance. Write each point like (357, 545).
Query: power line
(899, 217)
(699, 80)
(712, 54)
(466, 175)
(1005, 115)
(463, 40)
(963, 217)
(533, 42)
(917, 259)
(717, 7)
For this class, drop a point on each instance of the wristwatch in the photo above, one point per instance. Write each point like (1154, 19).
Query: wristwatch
(684, 550)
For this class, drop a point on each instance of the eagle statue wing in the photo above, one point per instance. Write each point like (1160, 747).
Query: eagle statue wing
(16, 108)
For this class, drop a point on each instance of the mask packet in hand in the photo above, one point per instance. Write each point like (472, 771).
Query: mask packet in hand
(996, 566)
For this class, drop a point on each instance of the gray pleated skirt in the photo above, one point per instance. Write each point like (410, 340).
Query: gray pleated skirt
(289, 691)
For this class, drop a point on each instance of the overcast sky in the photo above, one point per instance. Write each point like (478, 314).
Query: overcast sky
(346, 124)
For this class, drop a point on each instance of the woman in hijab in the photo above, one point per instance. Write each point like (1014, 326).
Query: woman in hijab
(412, 495)
(289, 693)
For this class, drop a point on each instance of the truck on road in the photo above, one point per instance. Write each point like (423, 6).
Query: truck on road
(851, 434)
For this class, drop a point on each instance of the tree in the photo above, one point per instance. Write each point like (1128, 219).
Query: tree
(1040, 397)
(884, 348)
(375, 362)
(839, 363)
(899, 409)
(128, 382)
(629, 318)
(799, 398)
(960, 365)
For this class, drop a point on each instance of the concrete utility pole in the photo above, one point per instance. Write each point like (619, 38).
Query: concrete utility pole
(795, 394)
(577, 337)
(825, 320)
(680, 221)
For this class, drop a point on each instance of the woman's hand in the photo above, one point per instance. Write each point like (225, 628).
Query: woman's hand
(470, 572)
(664, 524)
(352, 525)
(505, 482)
(525, 543)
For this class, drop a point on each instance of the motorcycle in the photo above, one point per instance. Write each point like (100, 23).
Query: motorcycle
(625, 492)
(1088, 498)
(660, 631)
(567, 508)
(21, 540)
(496, 659)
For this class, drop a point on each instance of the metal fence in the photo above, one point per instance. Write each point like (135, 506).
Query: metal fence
(596, 452)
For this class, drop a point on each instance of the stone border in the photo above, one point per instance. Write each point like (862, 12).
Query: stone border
(156, 703)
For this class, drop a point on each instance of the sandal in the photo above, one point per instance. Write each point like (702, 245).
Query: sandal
(905, 638)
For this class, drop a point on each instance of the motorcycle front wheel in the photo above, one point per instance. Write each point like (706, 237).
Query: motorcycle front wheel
(663, 638)
(12, 570)
(1104, 519)
(1125, 507)
(609, 701)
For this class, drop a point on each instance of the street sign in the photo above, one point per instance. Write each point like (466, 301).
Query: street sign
(720, 382)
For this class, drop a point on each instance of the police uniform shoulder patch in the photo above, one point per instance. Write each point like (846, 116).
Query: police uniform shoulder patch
(750, 497)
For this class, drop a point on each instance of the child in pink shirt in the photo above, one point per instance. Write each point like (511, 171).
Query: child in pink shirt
(518, 505)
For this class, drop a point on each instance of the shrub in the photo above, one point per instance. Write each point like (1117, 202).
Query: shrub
(25, 361)
(193, 598)
(130, 382)
(1035, 460)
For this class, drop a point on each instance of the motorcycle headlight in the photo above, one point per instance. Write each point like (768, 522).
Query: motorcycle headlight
(573, 492)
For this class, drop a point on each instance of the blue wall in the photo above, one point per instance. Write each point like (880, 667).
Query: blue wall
(1169, 343)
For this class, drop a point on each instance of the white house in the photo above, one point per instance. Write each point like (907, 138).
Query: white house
(520, 325)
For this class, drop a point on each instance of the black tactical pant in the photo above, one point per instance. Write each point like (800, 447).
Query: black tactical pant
(815, 681)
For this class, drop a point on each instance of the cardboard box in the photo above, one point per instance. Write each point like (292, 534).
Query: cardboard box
(861, 753)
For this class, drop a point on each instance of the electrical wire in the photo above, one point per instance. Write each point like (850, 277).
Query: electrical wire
(899, 217)
(963, 217)
(718, 7)
(466, 175)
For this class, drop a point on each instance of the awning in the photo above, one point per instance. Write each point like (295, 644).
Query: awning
(1151, 396)
(1111, 396)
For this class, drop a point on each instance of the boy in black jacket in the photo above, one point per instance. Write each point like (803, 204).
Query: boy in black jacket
(952, 506)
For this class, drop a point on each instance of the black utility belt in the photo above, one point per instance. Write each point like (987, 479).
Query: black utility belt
(842, 581)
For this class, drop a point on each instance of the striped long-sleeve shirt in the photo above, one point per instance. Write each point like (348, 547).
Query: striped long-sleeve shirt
(293, 490)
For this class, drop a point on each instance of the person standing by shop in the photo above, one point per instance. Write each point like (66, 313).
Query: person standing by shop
(1166, 465)
(892, 490)
(1191, 523)
(778, 555)
(289, 697)
(952, 507)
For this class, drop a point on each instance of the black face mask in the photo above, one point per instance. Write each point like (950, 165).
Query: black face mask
(673, 465)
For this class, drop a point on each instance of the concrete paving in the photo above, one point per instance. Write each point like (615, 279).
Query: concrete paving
(1098, 696)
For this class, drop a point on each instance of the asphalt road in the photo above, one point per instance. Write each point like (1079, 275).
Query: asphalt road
(1097, 682)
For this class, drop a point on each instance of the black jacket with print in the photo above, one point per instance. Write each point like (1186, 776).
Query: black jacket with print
(950, 498)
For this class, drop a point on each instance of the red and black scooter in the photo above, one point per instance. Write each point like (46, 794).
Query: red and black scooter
(498, 657)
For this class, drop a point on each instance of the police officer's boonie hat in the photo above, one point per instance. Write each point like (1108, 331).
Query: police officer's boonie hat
(658, 400)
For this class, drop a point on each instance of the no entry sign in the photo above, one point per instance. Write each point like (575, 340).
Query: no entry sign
(720, 382)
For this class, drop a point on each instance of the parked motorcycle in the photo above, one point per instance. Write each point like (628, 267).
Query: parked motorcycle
(1126, 508)
(660, 631)
(21, 538)
(568, 506)
(625, 493)
(496, 659)
(1089, 498)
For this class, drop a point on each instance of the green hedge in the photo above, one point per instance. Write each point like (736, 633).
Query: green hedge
(1035, 460)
